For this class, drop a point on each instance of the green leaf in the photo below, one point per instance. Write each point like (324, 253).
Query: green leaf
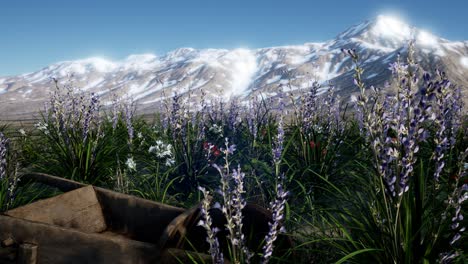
(355, 253)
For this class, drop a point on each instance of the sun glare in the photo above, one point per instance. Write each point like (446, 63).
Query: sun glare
(394, 26)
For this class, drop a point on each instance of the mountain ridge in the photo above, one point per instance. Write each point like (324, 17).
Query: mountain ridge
(240, 72)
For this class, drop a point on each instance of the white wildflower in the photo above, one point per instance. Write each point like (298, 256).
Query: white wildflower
(217, 130)
(163, 152)
(131, 164)
(169, 162)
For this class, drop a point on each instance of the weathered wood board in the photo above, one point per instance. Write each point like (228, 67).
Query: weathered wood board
(78, 209)
(57, 245)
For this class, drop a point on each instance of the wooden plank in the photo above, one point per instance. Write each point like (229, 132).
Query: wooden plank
(58, 245)
(134, 217)
(127, 215)
(64, 185)
(78, 209)
(27, 254)
(8, 255)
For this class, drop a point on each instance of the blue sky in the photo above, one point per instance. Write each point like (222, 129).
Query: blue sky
(36, 33)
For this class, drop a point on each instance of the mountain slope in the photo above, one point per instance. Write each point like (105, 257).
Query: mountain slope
(148, 79)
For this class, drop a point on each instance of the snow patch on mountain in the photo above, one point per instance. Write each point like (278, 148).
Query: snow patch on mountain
(195, 69)
(374, 46)
(464, 62)
(210, 57)
(429, 42)
(391, 27)
(371, 76)
(38, 77)
(243, 70)
(273, 79)
(140, 62)
(95, 63)
(93, 84)
(354, 30)
(454, 46)
(281, 65)
(301, 59)
(426, 39)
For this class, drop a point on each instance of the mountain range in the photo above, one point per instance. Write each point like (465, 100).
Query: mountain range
(148, 79)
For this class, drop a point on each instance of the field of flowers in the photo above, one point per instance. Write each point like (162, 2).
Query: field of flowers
(381, 181)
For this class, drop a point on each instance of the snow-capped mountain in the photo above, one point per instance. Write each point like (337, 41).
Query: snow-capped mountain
(148, 78)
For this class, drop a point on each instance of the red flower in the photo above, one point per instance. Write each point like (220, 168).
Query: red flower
(206, 145)
(312, 144)
(216, 153)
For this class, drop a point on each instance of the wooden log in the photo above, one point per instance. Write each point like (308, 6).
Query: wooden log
(27, 254)
(59, 245)
(62, 184)
(134, 217)
(8, 255)
(8, 242)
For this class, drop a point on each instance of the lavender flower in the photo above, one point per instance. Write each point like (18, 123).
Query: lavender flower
(252, 123)
(92, 114)
(10, 181)
(233, 203)
(459, 196)
(207, 223)
(277, 209)
(231, 191)
(281, 104)
(233, 114)
(457, 113)
(310, 107)
(202, 115)
(447, 258)
(455, 202)
(238, 204)
(3, 155)
(129, 112)
(175, 117)
(115, 111)
(11, 192)
(278, 143)
(446, 113)
(405, 119)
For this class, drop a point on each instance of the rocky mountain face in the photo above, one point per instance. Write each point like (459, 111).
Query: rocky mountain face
(243, 73)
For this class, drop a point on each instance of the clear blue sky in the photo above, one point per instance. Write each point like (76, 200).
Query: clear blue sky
(36, 33)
